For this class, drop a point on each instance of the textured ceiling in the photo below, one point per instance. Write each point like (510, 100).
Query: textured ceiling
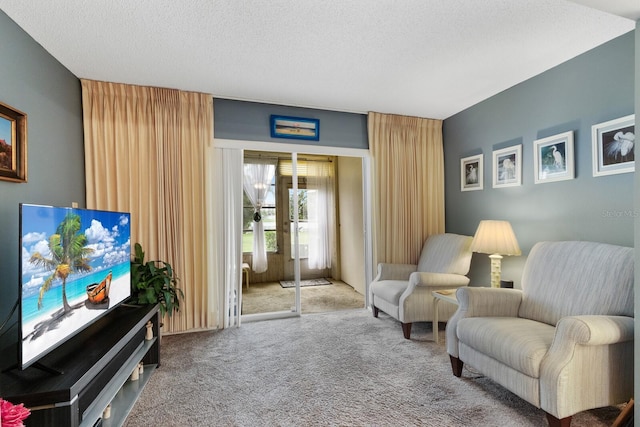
(426, 58)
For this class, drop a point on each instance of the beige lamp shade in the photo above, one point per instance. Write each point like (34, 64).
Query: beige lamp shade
(495, 237)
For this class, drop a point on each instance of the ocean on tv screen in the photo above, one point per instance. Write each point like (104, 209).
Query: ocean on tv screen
(75, 267)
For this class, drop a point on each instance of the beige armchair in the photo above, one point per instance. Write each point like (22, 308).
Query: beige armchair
(563, 343)
(403, 291)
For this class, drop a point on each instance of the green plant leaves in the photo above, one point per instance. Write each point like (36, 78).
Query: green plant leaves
(154, 282)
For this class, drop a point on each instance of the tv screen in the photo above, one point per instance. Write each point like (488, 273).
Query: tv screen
(75, 267)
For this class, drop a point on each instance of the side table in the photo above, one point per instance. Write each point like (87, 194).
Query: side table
(245, 272)
(448, 295)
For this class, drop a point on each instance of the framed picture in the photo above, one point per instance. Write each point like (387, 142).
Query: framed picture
(613, 146)
(471, 173)
(13, 144)
(507, 167)
(553, 158)
(295, 128)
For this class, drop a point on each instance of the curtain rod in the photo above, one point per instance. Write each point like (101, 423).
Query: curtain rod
(304, 159)
(270, 157)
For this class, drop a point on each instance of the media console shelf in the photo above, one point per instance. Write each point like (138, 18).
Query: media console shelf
(96, 366)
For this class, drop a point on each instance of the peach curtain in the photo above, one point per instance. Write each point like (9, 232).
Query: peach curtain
(145, 153)
(408, 168)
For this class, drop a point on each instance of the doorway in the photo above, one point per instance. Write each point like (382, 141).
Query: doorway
(316, 204)
(310, 228)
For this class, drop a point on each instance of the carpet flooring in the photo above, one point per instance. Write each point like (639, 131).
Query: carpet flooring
(270, 297)
(343, 368)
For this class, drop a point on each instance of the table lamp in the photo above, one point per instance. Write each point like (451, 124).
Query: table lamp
(495, 238)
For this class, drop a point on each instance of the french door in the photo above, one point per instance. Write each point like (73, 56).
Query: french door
(307, 229)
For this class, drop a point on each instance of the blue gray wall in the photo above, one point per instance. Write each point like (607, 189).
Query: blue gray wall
(589, 89)
(250, 121)
(38, 85)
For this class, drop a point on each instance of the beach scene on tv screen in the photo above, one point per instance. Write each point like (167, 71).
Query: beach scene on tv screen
(75, 267)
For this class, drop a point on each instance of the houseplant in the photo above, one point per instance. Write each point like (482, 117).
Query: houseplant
(154, 282)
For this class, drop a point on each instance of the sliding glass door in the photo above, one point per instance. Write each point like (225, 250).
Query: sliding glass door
(304, 237)
(298, 208)
(269, 228)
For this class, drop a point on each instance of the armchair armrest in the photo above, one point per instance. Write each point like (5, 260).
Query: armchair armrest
(592, 330)
(602, 343)
(419, 288)
(437, 280)
(481, 302)
(387, 271)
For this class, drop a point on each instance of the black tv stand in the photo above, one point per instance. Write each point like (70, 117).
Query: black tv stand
(96, 367)
(37, 365)
(48, 369)
(124, 304)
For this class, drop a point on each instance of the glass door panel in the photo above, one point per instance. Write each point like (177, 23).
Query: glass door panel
(303, 221)
(273, 293)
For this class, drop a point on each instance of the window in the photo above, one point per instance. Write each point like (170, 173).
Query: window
(268, 213)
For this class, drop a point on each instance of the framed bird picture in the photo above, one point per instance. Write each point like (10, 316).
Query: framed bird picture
(613, 146)
(507, 167)
(553, 158)
(471, 173)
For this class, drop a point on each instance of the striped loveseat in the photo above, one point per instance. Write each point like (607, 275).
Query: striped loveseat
(564, 343)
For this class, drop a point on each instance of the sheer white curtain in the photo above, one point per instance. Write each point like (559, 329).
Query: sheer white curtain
(321, 213)
(257, 178)
(227, 232)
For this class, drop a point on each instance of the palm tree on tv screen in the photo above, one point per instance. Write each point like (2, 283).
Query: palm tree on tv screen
(69, 254)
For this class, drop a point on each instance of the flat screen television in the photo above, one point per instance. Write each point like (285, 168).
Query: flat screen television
(75, 267)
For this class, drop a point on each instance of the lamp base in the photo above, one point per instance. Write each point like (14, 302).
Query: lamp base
(496, 272)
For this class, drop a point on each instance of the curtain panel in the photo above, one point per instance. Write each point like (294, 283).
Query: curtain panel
(226, 240)
(258, 175)
(408, 168)
(321, 214)
(145, 153)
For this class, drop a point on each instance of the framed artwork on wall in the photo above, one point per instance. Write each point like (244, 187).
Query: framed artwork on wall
(13, 144)
(471, 173)
(553, 158)
(295, 128)
(507, 167)
(613, 146)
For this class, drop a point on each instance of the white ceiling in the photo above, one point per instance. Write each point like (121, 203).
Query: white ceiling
(426, 58)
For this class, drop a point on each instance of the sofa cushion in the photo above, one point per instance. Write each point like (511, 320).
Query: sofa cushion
(515, 342)
(567, 278)
(389, 290)
(446, 253)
